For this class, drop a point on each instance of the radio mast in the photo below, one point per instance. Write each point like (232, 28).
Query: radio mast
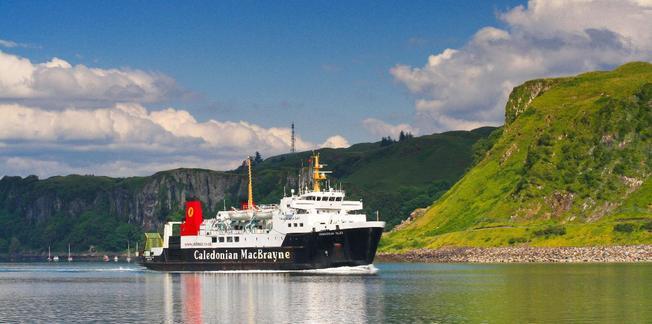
(292, 148)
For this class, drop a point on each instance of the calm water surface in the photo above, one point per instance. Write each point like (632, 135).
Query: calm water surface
(513, 293)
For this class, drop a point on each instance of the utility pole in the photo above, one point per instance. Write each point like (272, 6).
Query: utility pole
(292, 148)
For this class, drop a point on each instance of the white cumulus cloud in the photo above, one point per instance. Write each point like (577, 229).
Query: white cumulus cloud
(380, 128)
(467, 87)
(59, 80)
(132, 124)
(129, 139)
(337, 141)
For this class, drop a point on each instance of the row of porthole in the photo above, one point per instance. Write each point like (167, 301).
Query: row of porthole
(231, 239)
(324, 198)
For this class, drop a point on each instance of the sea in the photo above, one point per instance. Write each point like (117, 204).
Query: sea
(386, 292)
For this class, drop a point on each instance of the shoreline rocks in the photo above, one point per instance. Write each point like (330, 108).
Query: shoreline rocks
(524, 254)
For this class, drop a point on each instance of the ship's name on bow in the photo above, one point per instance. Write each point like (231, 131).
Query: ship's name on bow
(245, 254)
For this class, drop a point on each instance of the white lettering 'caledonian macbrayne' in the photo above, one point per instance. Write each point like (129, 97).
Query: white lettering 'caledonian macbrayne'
(245, 254)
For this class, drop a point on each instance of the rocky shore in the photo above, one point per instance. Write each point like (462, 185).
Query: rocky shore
(524, 254)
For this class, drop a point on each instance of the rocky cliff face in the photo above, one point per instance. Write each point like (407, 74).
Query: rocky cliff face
(146, 202)
(165, 193)
(522, 96)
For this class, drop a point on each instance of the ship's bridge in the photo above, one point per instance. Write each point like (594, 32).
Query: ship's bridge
(330, 195)
(324, 200)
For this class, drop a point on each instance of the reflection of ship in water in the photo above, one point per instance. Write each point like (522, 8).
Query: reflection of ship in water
(269, 298)
(191, 286)
(315, 228)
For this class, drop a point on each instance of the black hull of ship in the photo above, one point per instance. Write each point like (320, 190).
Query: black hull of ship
(299, 251)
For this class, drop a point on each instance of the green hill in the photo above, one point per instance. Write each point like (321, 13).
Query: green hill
(104, 212)
(394, 178)
(571, 167)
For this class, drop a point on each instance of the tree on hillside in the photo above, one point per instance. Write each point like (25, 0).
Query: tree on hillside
(257, 158)
(385, 141)
(404, 135)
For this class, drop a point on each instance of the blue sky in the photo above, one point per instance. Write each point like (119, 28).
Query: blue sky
(265, 62)
(345, 72)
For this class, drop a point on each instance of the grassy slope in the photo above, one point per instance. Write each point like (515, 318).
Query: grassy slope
(393, 179)
(562, 162)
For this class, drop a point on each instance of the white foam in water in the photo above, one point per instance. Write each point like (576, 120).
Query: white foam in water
(365, 269)
(357, 270)
(69, 268)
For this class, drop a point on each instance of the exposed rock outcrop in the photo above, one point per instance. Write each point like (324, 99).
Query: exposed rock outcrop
(143, 201)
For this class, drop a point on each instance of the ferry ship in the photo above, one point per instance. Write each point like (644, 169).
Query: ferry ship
(314, 228)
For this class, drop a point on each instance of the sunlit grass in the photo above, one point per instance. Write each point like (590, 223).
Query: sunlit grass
(566, 159)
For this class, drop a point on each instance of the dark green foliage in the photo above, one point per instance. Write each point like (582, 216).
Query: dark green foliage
(624, 228)
(403, 136)
(386, 141)
(483, 145)
(552, 230)
(395, 206)
(257, 158)
(647, 226)
(106, 232)
(517, 240)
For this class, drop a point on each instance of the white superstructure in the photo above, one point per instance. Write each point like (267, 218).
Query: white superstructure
(308, 211)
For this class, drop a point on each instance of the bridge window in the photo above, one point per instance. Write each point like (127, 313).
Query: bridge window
(221, 239)
(229, 239)
(214, 239)
(237, 238)
(289, 224)
(301, 224)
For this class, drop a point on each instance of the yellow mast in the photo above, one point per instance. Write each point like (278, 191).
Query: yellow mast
(250, 200)
(317, 176)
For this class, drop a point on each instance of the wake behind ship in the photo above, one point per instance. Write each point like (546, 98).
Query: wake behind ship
(313, 229)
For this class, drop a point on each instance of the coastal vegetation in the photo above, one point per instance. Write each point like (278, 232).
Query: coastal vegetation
(571, 167)
(102, 213)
